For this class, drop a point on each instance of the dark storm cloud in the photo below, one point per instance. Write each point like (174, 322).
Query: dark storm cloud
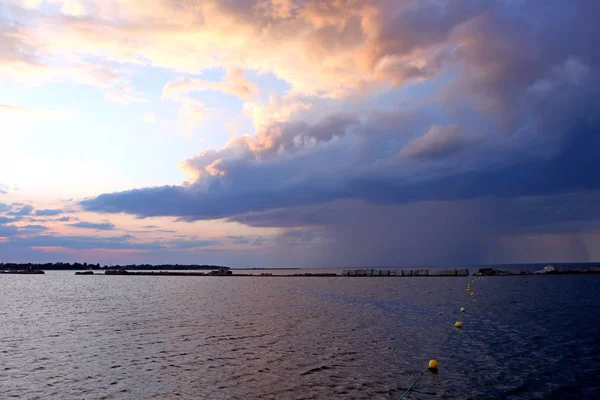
(560, 213)
(355, 233)
(519, 120)
(300, 236)
(281, 217)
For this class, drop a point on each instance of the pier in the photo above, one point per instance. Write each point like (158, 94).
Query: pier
(404, 272)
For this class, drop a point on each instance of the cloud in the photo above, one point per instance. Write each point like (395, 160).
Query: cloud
(123, 242)
(31, 55)
(339, 50)
(48, 212)
(28, 229)
(8, 220)
(234, 83)
(493, 134)
(84, 243)
(103, 226)
(342, 49)
(281, 218)
(315, 167)
(18, 49)
(193, 111)
(403, 121)
(437, 142)
(259, 241)
(8, 231)
(3, 189)
(191, 244)
(483, 230)
(238, 239)
(27, 209)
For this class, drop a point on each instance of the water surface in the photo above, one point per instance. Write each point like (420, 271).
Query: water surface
(144, 337)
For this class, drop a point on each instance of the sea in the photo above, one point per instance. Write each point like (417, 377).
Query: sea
(64, 336)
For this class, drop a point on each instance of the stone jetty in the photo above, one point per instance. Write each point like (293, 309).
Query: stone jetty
(404, 272)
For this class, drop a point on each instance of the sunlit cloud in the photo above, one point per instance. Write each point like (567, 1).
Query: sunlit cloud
(333, 51)
(234, 83)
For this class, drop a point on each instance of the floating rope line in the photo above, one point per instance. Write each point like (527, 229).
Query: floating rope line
(414, 382)
(457, 326)
(412, 385)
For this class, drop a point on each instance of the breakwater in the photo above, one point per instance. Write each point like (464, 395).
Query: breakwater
(404, 272)
(367, 272)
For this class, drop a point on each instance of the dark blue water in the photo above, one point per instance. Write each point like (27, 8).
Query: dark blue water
(124, 337)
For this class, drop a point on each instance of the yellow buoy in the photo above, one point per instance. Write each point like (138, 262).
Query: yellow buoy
(458, 324)
(462, 309)
(433, 364)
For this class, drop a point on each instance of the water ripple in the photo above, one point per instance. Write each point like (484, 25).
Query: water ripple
(70, 337)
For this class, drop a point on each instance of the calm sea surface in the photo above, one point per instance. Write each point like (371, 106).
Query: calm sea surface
(142, 337)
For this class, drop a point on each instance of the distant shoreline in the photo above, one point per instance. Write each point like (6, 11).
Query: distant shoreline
(205, 267)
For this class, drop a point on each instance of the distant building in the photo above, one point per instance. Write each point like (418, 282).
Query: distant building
(222, 271)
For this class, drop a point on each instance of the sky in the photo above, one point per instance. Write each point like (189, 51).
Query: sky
(300, 133)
